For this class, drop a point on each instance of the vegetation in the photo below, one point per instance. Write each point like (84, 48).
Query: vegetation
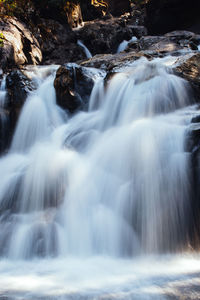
(1, 39)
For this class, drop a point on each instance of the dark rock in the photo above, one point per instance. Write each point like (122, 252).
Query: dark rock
(104, 36)
(167, 15)
(58, 43)
(73, 87)
(196, 119)
(18, 86)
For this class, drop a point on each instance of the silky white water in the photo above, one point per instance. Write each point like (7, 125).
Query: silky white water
(83, 197)
(3, 115)
(86, 50)
(124, 44)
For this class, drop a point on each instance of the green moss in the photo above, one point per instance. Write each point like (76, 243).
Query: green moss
(2, 37)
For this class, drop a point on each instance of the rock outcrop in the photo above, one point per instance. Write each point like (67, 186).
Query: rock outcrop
(18, 85)
(19, 45)
(58, 43)
(189, 69)
(104, 36)
(73, 85)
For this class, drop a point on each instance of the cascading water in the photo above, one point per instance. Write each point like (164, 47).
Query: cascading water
(124, 44)
(3, 116)
(91, 192)
(86, 50)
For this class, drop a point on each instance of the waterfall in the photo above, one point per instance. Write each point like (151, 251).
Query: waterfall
(3, 115)
(86, 50)
(112, 182)
(124, 44)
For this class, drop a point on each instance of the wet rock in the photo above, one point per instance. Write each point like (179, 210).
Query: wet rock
(196, 119)
(18, 86)
(19, 45)
(109, 62)
(73, 87)
(190, 70)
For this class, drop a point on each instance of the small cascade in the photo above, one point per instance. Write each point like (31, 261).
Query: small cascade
(124, 44)
(39, 115)
(95, 190)
(86, 50)
(3, 116)
(3, 91)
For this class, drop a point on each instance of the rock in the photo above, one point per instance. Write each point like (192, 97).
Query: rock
(74, 14)
(189, 69)
(104, 36)
(196, 119)
(19, 45)
(73, 87)
(166, 15)
(109, 62)
(18, 86)
(167, 44)
(58, 43)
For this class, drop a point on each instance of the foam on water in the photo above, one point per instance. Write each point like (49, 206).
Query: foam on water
(102, 278)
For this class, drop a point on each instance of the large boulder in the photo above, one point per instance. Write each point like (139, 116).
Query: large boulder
(58, 43)
(19, 44)
(73, 85)
(104, 36)
(167, 15)
(189, 69)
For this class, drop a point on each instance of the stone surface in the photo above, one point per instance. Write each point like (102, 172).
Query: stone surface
(104, 36)
(58, 43)
(19, 45)
(109, 62)
(18, 86)
(189, 69)
(167, 44)
(73, 87)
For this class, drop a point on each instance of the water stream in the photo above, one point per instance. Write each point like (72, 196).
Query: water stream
(86, 50)
(124, 44)
(94, 206)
